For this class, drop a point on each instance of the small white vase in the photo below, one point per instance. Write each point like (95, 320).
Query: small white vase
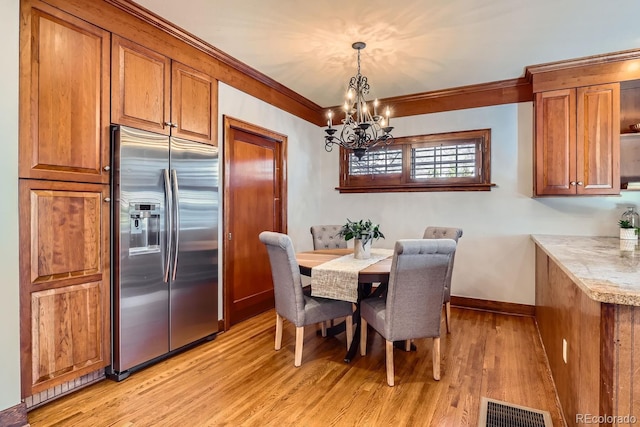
(628, 234)
(361, 251)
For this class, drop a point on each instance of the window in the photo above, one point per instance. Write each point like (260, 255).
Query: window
(456, 161)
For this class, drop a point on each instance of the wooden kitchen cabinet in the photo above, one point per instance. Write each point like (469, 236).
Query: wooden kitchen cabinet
(64, 282)
(577, 141)
(64, 97)
(154, 93)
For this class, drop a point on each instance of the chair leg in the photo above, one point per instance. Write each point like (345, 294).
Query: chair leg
(447, 315)
(389, 346)
(349, 329)
(407, 345)
(363, 337)
(323, 328)
(299, 342)
(436, 358)
(278, 331)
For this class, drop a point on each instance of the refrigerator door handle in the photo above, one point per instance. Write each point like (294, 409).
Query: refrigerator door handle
(176, 201)
(168, 222)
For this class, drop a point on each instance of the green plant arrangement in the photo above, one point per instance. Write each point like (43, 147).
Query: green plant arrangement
(363, 230)
(626, 225)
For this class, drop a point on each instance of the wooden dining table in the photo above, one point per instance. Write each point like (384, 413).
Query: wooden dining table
(375, 273)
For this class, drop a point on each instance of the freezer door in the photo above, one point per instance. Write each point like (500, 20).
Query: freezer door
(141, 295)
(194, 264)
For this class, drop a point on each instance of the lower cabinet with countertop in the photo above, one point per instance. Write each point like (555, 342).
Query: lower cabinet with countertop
(588, 316)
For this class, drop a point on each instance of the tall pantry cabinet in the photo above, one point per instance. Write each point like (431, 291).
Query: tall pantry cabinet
(76, 79)
(64, 197)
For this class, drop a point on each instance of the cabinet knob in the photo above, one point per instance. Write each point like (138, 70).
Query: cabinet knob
(107, 199)
(580, 183)
(572, 183)
(107, 168)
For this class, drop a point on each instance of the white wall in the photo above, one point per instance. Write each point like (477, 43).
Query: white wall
(495, 258)
(300, 161)
(9, 301)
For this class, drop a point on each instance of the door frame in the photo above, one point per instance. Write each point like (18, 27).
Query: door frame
(281, 140)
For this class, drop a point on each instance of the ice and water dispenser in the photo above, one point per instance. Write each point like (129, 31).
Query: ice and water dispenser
(144, 219)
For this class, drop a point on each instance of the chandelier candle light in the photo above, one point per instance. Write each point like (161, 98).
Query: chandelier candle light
(360, 129)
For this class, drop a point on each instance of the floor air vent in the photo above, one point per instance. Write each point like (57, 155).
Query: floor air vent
(494, 413)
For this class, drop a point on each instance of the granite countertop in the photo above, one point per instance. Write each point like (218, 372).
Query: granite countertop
(603, 267)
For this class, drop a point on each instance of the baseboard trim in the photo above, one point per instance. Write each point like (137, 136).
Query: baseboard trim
(16, 416)
(495, 306)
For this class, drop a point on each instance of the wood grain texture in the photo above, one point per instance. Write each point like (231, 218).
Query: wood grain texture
(255, 200)
(140, 84)
(134, 22)
(626, 372)
(67, 333)
(489, 354)
(15, 416)
(598, 140)
(64, 235)
(555, 143)
(591, 70)
(64, 97)
(601, 371)
(194, 98)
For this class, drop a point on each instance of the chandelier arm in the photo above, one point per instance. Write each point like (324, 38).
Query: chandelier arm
(360, 129)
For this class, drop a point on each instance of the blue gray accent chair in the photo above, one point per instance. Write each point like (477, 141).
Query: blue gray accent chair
(291, 303)
(412, 307)
(445, 233)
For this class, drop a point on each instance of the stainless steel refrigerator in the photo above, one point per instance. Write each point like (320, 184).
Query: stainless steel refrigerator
(164, 246)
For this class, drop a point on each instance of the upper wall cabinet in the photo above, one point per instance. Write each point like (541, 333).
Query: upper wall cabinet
(577, 141)
(152, 92)
(64, 98)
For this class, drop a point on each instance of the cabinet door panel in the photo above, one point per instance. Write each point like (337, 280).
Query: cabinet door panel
(598, 139)
(140, 81)
(555, 155)
(64, 117)
(193, 104)
(64, 282)
(65, 234)
(67, 332)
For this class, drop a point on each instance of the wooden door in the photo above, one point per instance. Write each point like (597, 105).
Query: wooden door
(64, 282)
(598, 139)
(140, 87)
(555, 152)
(64, 97)
(193, 101)
(255, 182)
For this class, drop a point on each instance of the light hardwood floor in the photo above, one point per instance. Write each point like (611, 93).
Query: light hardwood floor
(240, 380)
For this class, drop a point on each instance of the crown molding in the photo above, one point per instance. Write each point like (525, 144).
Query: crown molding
(605, 58)
(162, 24)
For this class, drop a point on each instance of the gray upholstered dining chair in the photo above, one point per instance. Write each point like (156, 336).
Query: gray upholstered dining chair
(412, 307)
(445, 233)
(291, 303)
(326, 237)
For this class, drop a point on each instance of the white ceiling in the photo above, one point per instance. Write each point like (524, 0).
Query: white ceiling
(413, 46)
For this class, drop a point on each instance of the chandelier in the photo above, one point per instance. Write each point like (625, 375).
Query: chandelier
(361, 130)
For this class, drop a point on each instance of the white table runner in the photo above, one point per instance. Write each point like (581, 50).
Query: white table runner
(338, 278)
